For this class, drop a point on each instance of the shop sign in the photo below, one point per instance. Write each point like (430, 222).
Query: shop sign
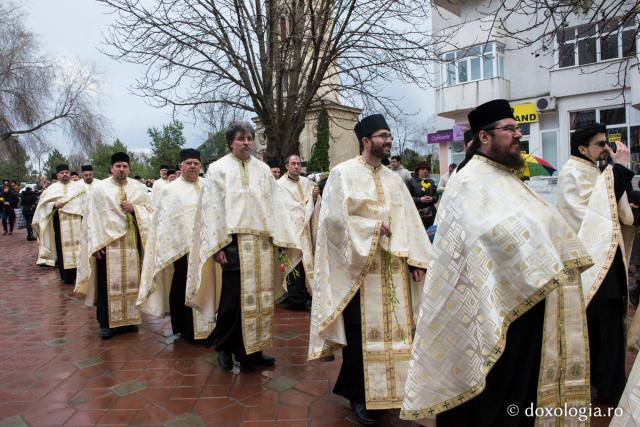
(440, 137)
(525, 113)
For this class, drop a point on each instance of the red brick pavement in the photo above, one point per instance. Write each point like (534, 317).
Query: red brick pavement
(55, 370)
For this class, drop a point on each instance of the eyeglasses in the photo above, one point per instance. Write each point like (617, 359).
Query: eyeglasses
(512, 129)
(386, 136)
(600, 144)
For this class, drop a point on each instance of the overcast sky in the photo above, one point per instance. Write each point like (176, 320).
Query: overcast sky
(75, 28)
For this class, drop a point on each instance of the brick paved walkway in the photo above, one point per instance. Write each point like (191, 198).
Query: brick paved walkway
(55, 370)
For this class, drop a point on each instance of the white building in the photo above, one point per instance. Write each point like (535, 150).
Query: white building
(579, 75)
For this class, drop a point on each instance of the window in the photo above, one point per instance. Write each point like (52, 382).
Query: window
(595, 42)
(456, 152)
(474, 63)
(613, 116)
(550, 147)
(606, 116)
(577, 117)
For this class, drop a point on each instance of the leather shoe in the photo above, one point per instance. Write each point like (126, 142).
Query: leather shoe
(363, 415)
(130, 328)
(225, 361)
(265, 361)
(257, 359)
(106, 333)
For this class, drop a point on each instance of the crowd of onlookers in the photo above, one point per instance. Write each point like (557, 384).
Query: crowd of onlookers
(14, 200)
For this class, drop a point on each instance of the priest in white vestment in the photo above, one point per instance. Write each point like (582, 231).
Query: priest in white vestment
(627, 414)
(371, 254)
(502, 321)
(595, 205)
(167, 251)
(56, 222)
(114, 231)
(160, 183)
(88, 179)
(240, 222)
(302, 203)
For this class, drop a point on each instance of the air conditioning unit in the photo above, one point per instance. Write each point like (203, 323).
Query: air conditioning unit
(546, 103)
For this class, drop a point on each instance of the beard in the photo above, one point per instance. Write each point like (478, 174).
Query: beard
(378, 151)
(507, 158)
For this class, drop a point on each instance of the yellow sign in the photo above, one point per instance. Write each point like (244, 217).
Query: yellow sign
(525, 113)
(615, 137)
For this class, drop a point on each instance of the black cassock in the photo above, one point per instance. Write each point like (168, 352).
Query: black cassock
(227, 334)
(605, 318)
(512, 381)
(68, 276)
(181, 315)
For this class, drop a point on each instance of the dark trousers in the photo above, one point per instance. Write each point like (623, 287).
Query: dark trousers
(512, 381)
(607, 348)
(350, 382)
(181, 315)
(28, 217)
(102, 299)
(297, 294)
(8, 219)
(227, 335)
(68, 276)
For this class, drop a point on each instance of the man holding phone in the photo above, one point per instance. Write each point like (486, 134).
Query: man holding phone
(595, 205)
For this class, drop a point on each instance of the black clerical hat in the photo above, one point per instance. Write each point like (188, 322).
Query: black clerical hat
(61, 168)
(273, 163)
(119, 157)
(488, 113)
(74, 173)
(370, 124)
(86, 168)
(137, 177)
(171, 172)
(164, 167)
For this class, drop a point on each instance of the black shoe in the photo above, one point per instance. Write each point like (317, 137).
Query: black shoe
(265, 361)
(106, 333)
(225, 361)
(129, 328)
(363, 415)
(31, 238)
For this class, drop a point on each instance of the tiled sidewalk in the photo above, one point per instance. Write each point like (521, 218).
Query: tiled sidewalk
(55, 370)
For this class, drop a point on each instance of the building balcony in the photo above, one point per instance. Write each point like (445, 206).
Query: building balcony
(453, 6)
(452, 101)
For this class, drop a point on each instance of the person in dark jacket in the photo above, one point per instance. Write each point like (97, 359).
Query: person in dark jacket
(10, 202)
(29, 200)
(424, 193)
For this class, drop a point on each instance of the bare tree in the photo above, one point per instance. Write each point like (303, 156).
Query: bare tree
(37, 93)
(38, 150)
(76, 160)
(272, 58)
(218, 116)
